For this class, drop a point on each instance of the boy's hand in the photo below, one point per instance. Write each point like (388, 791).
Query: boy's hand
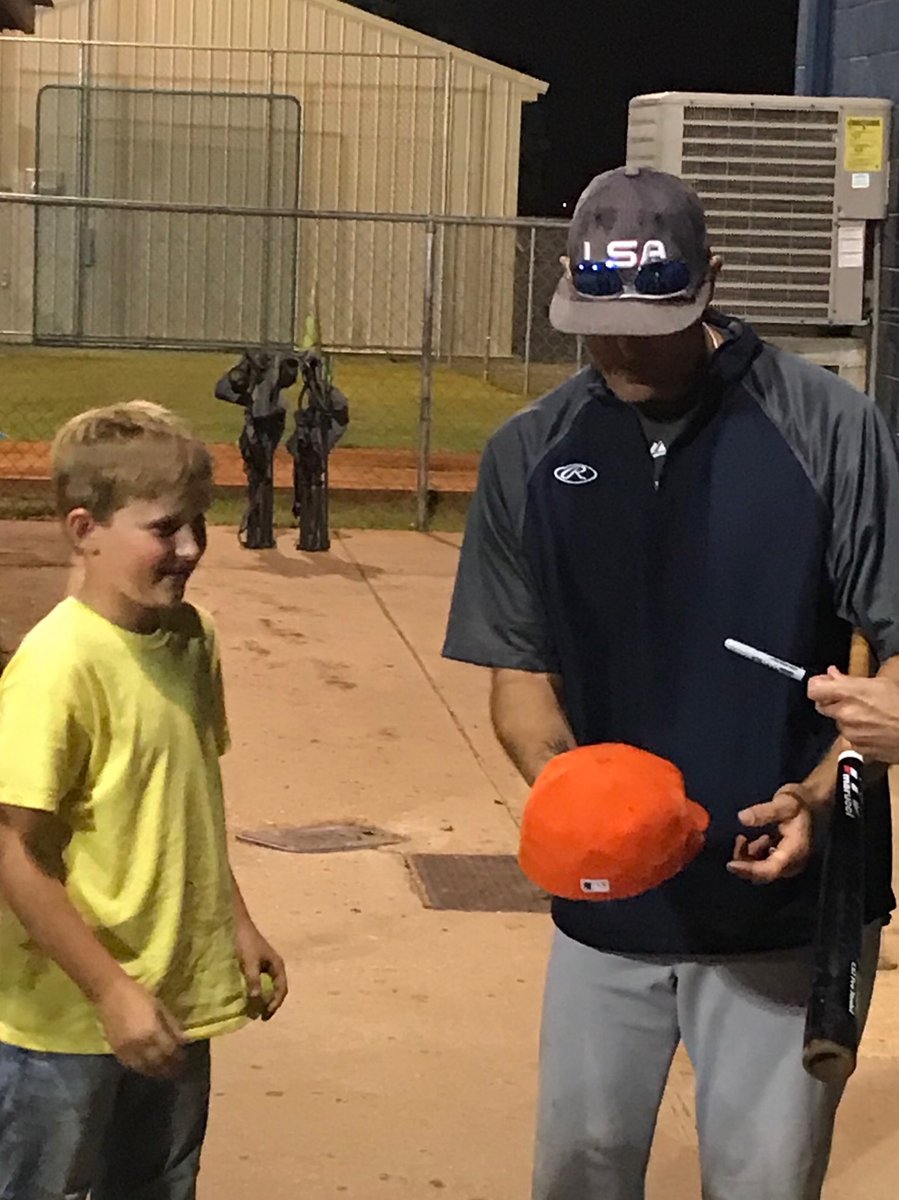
(257, 956)
(143, 1034)
(783, 855)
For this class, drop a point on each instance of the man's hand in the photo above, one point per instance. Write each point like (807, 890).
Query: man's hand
(257, 956)
(866, 711)
(143, 1034)
(775, 856)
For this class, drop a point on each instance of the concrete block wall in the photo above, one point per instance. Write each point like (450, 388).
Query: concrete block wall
(851, 48)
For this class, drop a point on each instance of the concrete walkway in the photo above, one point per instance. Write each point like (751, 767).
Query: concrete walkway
(404, 1065)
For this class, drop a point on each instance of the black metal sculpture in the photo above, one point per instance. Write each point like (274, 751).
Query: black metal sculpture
(256, 383)
(320, 424)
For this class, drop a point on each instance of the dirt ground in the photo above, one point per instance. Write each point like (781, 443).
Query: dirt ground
(353, 469)
(403, 1065)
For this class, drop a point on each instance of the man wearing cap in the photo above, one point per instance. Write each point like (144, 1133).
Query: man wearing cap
(694, 484)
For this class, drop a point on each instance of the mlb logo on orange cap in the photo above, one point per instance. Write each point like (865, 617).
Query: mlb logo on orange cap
(608, 822)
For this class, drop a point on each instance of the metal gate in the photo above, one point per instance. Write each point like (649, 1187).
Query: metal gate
(126, 277)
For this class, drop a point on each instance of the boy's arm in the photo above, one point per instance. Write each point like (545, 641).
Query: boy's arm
(257, 956)
(254, 953)
(141, 1033)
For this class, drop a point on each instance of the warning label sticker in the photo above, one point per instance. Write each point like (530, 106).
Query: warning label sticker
(864, 143)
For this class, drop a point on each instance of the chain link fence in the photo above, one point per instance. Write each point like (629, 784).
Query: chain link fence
(438, 329)
(162, 207)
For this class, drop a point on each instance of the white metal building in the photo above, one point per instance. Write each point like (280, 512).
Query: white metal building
(265, 103)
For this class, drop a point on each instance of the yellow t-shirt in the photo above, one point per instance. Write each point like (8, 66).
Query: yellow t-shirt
(119, 734)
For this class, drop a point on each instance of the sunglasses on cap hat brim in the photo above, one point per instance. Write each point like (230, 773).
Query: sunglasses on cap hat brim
(661, 300)
(660, 280)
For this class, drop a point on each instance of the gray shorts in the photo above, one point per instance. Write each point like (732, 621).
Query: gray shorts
(611, 1025)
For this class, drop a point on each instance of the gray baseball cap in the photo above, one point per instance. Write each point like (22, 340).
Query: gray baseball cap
(638, 258)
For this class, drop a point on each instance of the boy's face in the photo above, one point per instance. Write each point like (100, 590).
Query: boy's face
(139, 561)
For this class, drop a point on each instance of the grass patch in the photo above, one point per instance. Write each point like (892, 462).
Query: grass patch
(368, 512)
(448, 514)
(44, 387)
(25, 508)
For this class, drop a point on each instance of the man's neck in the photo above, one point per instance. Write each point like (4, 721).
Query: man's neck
(657, 372)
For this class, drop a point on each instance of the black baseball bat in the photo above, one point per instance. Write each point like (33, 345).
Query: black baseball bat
(832, 1019)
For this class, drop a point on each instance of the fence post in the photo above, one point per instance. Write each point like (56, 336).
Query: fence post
(488, 339)
(82, 215)
(449, 285)
(265, 273)
(422, 516)
(529, 327)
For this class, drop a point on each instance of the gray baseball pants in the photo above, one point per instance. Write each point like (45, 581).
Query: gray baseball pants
(611, 1025)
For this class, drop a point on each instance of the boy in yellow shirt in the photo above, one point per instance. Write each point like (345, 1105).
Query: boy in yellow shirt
(125, 944)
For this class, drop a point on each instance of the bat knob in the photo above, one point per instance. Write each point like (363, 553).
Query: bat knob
(828, 1062)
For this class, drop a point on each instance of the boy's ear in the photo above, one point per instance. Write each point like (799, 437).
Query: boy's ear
(79, 526)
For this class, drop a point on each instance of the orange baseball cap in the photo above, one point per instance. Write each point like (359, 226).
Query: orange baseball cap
(607, 822)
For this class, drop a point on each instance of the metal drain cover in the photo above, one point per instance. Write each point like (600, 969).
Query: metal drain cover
(474, 883)
(328, 838)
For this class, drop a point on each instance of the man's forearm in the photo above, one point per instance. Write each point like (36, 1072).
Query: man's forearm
(48, 916)
(529, 720)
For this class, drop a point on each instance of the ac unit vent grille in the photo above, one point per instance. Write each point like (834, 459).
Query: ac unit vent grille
(754, 169)
(767, 180)
(800, 133)
(758, 208)
(760, 276)
(826, 117)
(759, 188)
(750, 151)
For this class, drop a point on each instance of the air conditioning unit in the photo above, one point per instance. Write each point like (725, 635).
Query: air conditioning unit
(789, 184)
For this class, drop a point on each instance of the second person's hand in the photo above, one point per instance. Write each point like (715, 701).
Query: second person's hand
(866, 711)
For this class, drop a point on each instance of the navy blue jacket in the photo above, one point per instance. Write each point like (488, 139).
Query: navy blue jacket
(776, 522)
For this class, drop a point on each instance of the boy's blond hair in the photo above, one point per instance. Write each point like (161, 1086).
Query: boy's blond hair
(105, 458)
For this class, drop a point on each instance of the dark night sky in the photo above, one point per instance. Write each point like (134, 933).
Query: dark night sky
(597, 54)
